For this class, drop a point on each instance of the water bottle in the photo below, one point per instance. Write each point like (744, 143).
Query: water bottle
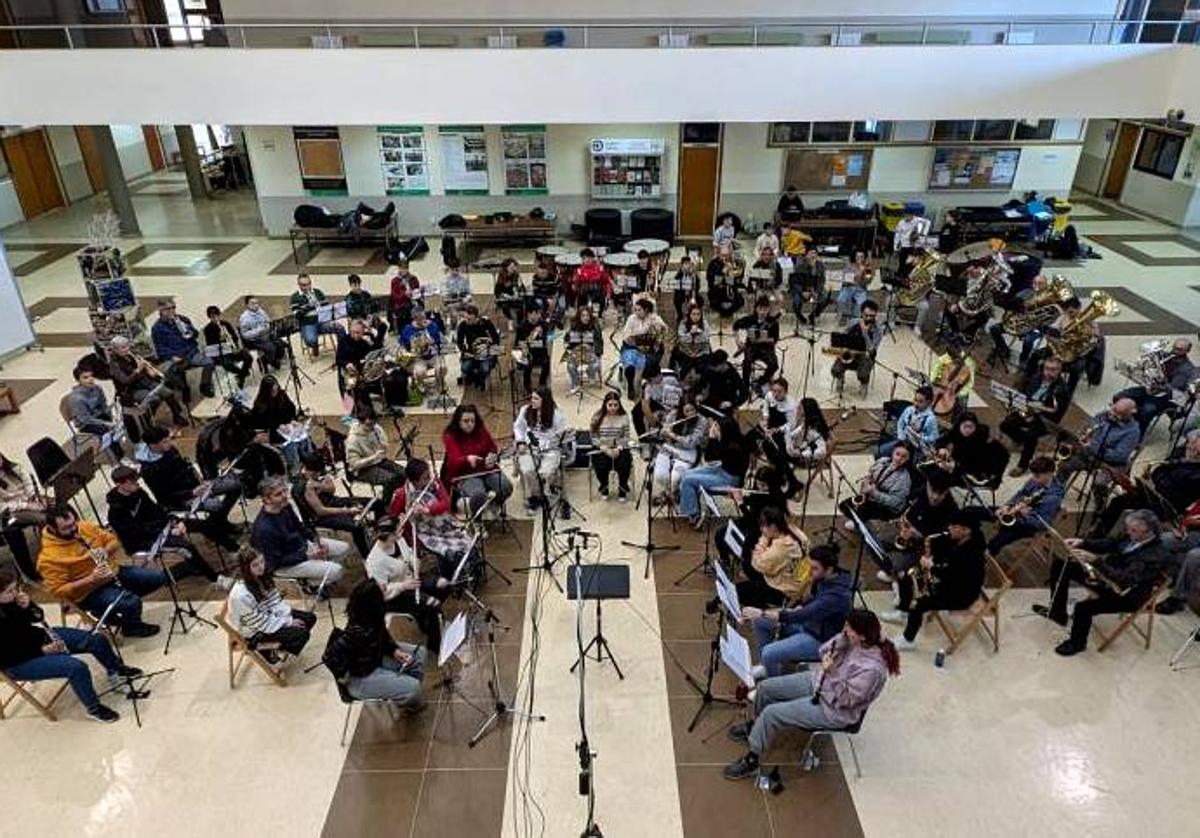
(939, 660)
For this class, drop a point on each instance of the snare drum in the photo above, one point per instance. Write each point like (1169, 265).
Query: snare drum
(548, 254)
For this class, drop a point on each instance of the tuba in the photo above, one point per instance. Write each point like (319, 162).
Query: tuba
(1078, 339)
(1039, 310)
(928, 267)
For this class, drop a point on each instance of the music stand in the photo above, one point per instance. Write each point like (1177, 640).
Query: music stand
(182, 609)
(598, 582)
(74, 477)
(727, 594)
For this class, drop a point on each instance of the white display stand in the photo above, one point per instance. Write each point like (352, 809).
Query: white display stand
(627, 169)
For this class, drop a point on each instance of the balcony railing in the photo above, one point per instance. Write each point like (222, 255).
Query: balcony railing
(601, 35)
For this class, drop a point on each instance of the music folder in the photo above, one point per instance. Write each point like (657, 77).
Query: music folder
(841, 340)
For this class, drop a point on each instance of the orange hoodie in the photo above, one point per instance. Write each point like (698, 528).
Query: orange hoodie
(66, 565)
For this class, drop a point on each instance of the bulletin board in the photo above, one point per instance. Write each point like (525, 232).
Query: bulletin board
(827, 170)
(319, 150)
(627, 168)
(971, 167)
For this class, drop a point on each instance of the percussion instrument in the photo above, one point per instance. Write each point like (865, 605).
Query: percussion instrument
(617, 264)
(548, 254)
(660, 255)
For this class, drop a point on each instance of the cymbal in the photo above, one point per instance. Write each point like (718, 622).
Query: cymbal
(972, 252)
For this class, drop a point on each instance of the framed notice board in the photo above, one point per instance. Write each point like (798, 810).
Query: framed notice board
(971, 167)
(827, 170)
(319, 150)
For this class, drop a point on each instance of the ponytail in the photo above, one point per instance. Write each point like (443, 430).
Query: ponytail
(866, 625)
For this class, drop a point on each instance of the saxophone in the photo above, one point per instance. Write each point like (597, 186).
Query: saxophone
(1078, 339)
(928, 267)
(1041, 309)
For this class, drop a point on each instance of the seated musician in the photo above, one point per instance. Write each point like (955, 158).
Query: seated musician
(304, 302)
(509, 292)
(953, 376)
(175, 339)
(1112, 437)
(423, 338)
(610, 434)
(475, 337)
(233, 358)
(949, 576)
(766, 261)
(807, 287)
(724, 277)
(884, 489)
(1074, 367)
(637, 278)
(726, 460)
(1178, 373)
(539, 431)
(1033, 507)
(138, 382)
(274, 411)
(404, 290)
(767, 489)
(693, 344)
(1119, 574)
(592, 283)
(963, 450)
(583, 346)
(865, 337)
(89, 408)
(394, 568)
(31, 651)
(259, 613)
(456, 286)
(778, 570)
(533, 348)
(793, 241)
(352, 349)
(254, 326)
(767, 240)
(138, 522)
(367, 456)
(359, 302)
(795, 635)
(854, 669)
(1048, 402)
(916, 426)
(660, 393)
(774, 433)
(314, 492)
(687, 287)
(80, 563)
(853, 293)
(724, 234)
(722, 387)
(683, 433)
(291, 548)
(175, 484)
(547, 291)
(808, 442)
(790, 206)
(423, 503)
(641, 340)
(929, 512)
(756, 336)
(472, 463)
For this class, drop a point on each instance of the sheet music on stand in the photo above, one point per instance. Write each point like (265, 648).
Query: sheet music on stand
(786, 264)
(735, 654)
(117, 434)
(868, 537)
(458, 569)
(718, 506)
(727, 593)
(214, 350)
(452, 638)
(735, 539)
(1011, 397)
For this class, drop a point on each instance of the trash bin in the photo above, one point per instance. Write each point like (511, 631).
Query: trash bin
(1062, 217)
(890, 214)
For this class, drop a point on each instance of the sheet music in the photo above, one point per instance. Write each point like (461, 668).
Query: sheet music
(452, 638)
(463, 561)
(217, 350)
(727, 593)
(339, 310)
(324, 313)
(735, 654)
(734, 538)
(710, 503)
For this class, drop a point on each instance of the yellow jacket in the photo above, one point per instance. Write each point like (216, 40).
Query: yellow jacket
(783, 563)
(66, 565)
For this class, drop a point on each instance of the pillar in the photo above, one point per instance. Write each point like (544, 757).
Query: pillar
(191, 161)
(114, 180)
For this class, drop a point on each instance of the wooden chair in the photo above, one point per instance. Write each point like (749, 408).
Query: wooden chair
(1129, 619)
(240, 650)
(20, 689)
(983, 611)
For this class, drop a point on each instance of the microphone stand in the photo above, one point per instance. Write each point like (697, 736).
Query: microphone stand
(587, 785)
(547, 562)
(650, 547)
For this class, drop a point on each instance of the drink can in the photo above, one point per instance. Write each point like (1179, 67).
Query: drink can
(939, 660)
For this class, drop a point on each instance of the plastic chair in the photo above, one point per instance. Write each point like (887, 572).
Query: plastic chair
(350, 701)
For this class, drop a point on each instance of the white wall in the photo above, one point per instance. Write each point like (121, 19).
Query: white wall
(1177, 199)
(1097, 140)
(131, 147)
(306, 87)
(10, 207)
(70, 161)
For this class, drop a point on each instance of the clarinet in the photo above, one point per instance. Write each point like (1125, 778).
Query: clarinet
(100, 557)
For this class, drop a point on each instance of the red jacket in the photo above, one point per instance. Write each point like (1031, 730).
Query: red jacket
(459, 447)
(401, 285)
(589, 274)
(437, 499)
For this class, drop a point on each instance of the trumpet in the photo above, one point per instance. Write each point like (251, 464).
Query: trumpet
(149, 369)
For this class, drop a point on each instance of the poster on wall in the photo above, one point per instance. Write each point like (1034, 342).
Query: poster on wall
(625, 167)
(403, 160)
(524, 159)
(464, 159)
(319, 150)
(970, 167)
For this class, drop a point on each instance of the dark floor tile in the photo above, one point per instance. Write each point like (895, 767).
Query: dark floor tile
(373, 804)
(383, 743)
(457, 723)
(670, 569)
(714, 806)
(693, 656)
(471, 678)
(466, 804)
(819, 799)
(708, 743)
(682, 617)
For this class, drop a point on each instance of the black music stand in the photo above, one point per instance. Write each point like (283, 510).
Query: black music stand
(598, 582)
(74, 477)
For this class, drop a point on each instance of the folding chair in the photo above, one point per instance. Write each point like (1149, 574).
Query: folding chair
(240, 648)
(808, 758)
(984, 610)
(1129, 619)
(21, 690)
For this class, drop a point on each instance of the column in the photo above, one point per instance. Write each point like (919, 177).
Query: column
(191, 161)
(114, 180)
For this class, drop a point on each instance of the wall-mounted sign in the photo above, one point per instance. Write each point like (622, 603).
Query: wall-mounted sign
(464, 159)
(623, 145)
(319, 150)
(403, 159)
(524, 159)
(627, 168)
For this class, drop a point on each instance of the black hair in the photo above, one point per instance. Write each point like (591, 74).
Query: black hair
(79, 371)
(824, 555)
(155, 434)
(415, 469)
(645, 305)
(925, 391)
(354, 279)
(211, 310)
(365, 607)
(869, 304)
(1042, 465)
(452, 262)
(814, 419)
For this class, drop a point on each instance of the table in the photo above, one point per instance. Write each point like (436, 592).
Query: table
(478, 231)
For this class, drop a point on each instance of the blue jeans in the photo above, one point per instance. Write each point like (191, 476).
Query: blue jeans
(794, 645)
(136, 582)
(709, 477)
(476, 370)
(850, 299)
(65, 665)
(309, 332)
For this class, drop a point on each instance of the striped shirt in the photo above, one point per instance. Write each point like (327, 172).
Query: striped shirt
(613, 432)
(252, 616)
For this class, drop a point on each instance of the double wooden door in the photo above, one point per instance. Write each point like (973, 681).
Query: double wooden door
(34, 175)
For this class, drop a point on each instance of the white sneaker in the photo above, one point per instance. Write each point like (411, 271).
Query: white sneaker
(224, 582)
(758, 672)
(904, 644)
(850, 525)
(884, 577)
(896, 616)
(575, 391)
(895, 595)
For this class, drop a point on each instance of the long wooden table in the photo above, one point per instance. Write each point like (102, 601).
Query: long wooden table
(521, 229)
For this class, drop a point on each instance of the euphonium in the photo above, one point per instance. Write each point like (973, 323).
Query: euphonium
(1077, 338)
(921, 278)
(1041, 309)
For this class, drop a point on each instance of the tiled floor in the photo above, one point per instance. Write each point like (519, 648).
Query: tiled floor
(992, 744)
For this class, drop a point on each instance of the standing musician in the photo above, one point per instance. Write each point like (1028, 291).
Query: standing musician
(930, 512)
(906, 240)
(917, 426)
(472, 464)
(693, 344)
(540, 428)
(592, 283)
(724, 276)
(1048, 402)
(218, 331)
(964, 451)
(1120, 574)
(424, 501)
(884, 489)
(254, 325)
(1112, 437)
(865, 336)
(136, 380)
(684, 431)
(642, 340)
(532, 348)
(1178, 373)
(756, 336)
(1031, 509)
(547, 291)
(583, 347)
(948, 577)
(423, 338)
(352, 349)
(687, 287)
(404, 290)
(510, 292)
(304, 303)
(660, 393)
(807, 287)
(727, 458)
(476, 336)
(722, 388)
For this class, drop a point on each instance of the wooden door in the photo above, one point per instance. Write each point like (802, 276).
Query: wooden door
(1118, 161)
(699, 176)
(154, 147)
(91, 157)
(33, 173)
